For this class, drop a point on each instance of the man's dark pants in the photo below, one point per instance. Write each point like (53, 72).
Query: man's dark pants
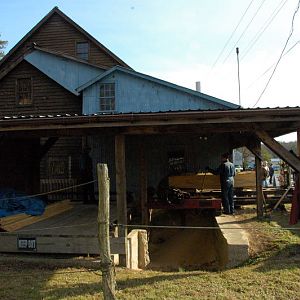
(227, 197)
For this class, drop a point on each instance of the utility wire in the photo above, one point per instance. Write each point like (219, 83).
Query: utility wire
(202, 227)
(246, 28)
(235, 29)
(269, 68)
(19, 232)
(281, 54)
(264, 28)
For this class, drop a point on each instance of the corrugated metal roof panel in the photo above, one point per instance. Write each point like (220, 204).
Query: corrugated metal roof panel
(66, 115)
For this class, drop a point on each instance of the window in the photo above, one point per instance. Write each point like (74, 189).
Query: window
(57, 167)
(107, 96)
(24, 91)
(82, 50)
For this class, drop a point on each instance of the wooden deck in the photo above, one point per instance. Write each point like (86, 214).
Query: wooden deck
(72, 232)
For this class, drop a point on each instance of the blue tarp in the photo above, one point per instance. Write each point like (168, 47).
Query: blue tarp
(13, 202)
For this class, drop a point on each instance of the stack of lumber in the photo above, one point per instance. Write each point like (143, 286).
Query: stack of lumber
(15, 222)
(208, 181)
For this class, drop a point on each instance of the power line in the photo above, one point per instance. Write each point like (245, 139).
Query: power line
(269, 68)
(281, 54)
(233, 32)
(264, 27)
(246, 28)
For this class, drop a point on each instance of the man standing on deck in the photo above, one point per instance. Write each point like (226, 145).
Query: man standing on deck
(226, 171)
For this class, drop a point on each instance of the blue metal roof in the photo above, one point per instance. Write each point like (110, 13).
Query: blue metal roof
(159, 81)
(66, 71)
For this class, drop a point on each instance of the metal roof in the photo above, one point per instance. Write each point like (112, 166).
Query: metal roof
(169, 112)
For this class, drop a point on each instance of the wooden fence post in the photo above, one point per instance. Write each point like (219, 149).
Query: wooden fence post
(108, 276)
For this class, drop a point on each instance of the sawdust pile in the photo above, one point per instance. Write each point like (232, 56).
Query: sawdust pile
(186, 249)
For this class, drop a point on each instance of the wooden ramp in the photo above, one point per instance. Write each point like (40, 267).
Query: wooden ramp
(73, 231)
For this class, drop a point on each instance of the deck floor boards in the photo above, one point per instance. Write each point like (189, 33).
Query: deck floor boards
(70, 222)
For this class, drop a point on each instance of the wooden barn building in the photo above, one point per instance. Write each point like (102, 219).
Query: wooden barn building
(61, 89)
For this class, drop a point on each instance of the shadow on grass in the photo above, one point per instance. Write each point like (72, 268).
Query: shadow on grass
(286, 258)
(135, 282)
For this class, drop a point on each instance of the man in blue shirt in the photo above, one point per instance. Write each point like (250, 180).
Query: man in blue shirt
(226, 171)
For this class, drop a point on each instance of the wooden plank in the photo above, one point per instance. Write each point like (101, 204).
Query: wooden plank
(277, 148)
(15, 218)
(60, 244)
(25, 220)
(212, 182)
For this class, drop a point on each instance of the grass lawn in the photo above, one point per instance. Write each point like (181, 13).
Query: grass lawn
(272, 272)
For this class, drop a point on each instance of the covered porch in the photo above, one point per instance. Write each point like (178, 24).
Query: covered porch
(239, 127)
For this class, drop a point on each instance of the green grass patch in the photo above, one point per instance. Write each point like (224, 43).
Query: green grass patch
(272, 272)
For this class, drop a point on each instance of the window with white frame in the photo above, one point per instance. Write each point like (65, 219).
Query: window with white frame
(107, 97)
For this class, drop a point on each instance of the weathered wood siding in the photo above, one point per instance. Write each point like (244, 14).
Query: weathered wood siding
(198, 153)
(134, 94)
(48, 96)
(58, 35)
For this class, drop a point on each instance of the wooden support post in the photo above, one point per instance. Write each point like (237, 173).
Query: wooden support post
(259, 191)
(108, 276)
(143, 183)
(121, 190)
(298, 142)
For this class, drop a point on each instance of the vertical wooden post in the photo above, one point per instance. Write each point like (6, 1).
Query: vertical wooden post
(298, 142)
(121, 190)
(143, 183)
(259, 191)
(108, 277)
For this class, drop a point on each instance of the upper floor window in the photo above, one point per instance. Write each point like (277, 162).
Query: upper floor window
(107, 96)
(24, 91)
(82, 50)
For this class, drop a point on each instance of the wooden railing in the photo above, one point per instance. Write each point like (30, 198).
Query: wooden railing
(50, 185)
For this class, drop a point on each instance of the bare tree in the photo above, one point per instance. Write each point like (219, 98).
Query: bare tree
(2, 46)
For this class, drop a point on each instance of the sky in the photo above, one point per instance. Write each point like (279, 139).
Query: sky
(184, 41)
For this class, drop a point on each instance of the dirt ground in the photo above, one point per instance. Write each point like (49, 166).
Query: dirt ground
(194, 249)
(186, 249)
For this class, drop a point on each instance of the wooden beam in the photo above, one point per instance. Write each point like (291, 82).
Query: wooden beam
(298, 142)
(259, 191)
(143, 182)
(121, 182)
(284, 154)
(47, 146)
